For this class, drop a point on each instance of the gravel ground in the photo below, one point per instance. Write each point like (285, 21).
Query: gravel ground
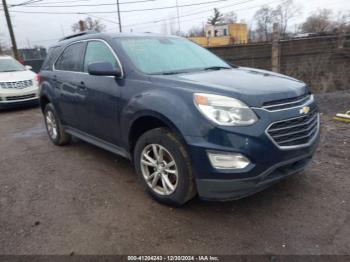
(83, 200)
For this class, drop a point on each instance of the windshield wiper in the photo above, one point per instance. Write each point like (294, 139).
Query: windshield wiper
(217, 67)
(170, 73)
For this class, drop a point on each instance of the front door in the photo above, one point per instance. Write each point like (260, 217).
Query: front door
(102, 94)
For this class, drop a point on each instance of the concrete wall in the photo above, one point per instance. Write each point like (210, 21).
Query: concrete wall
(322, 62)
(213, 41)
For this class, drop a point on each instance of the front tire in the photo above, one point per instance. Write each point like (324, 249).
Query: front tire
(162, 162)
(54, 128)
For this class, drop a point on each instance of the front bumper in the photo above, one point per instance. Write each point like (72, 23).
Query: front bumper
(19, 103)
(233, 189)
(13, 98)
(269, 163)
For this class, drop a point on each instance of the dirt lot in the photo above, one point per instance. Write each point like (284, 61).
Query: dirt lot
(81, 199)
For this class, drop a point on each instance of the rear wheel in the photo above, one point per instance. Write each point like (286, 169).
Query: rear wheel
(54, 128)
(164, 166)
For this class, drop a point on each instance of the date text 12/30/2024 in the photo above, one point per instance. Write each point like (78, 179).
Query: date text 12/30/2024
(173, 258)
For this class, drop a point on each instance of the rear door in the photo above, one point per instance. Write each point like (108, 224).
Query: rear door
(68, 75)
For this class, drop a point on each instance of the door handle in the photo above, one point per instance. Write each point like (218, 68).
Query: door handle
(55, 81)
(82, 85)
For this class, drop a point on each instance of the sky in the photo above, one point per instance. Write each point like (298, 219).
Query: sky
(44, 29)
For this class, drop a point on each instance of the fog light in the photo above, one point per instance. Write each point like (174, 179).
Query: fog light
(228, 161)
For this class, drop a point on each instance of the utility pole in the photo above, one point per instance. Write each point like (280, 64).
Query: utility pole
(62, 30)
(119, 19)
(275, 58)
(178, 17)
(9, 24)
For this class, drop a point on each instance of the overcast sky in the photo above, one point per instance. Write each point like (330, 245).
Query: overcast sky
(44, 29)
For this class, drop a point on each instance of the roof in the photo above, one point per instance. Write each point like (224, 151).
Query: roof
(88, 34)
(93, 34)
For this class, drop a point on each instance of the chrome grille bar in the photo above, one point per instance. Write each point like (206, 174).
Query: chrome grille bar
(293, 126)
(295, 135)
(16, 85)
(288, 105)
(296, 132)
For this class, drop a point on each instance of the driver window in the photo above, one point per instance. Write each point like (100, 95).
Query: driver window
(99, 52)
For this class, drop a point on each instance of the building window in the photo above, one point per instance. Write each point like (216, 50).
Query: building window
(225, 32)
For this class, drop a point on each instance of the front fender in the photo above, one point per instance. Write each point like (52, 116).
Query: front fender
(173, 107)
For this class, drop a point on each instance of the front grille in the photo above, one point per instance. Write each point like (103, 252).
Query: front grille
(287, 103)
(15, 98)
(296, 131)
(17, 84)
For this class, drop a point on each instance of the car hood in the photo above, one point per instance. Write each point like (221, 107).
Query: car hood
(253, 86)
(16, 76)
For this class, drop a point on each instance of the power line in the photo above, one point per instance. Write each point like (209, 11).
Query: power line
(190, 14)
(28, 2)
(241, 9)
(168, 18)
(123, 11)
(185, 13)
(84, 5)
(202, 12)
(58, 2)
(102, 18)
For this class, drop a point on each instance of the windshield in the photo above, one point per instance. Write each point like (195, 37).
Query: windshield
(10, 65)
(161, 55)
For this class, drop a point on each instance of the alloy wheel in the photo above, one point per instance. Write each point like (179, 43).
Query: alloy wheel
(51, 125)
(159, 169)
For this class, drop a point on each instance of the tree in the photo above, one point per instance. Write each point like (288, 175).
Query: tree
(319, 22)
(216, 18)
(230, 18)
(264, 19)
(343, 22)
(88, 24)
(284, 13)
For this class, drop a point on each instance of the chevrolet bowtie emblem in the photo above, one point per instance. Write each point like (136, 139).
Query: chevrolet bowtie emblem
(305, 110)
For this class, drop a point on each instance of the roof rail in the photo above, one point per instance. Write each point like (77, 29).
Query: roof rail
(78, 34)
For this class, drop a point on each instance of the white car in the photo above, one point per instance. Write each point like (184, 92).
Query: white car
(19, 85)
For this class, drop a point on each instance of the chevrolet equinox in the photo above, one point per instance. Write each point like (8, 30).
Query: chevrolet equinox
(190, 122)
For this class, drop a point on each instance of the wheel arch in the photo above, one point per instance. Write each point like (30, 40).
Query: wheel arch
(149, 120)
(44, 101)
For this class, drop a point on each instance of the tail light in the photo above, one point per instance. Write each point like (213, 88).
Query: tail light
(37, 77)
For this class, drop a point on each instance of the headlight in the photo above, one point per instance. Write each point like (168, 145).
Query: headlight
(225, 111)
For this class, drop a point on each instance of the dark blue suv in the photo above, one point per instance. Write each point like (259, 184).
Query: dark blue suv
(190, 122)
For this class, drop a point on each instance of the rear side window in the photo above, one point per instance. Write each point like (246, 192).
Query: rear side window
(99, 52)
(71, 58)
(50, 59)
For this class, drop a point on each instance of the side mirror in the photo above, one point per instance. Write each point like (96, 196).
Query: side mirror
(103, 69)
(28, 67)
